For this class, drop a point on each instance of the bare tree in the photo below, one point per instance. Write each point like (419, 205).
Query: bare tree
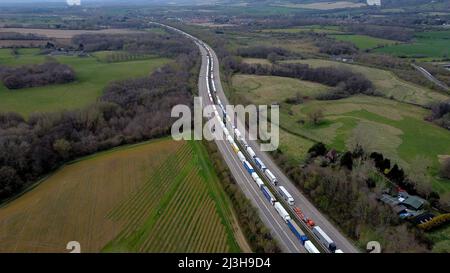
(316, 116)
(360, 140)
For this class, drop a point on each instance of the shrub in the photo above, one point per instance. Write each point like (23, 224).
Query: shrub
(347, 160)
(317, 149)
(435, 222)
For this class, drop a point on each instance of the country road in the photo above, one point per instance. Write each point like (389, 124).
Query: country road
(431, 77)
(287, 241)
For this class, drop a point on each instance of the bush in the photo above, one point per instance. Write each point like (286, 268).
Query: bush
(435, 222)
(445, 168)
(396, 174)
(347, 160)
(318, 149)
(381, 163)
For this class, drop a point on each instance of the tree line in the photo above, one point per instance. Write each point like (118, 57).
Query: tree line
(35, 75)
(395, 33)
(128, 111)
(263, 52)
(20, 36)
(335, 48)
(440, 114)
(344, 81)
(345, 187)
(150, 43)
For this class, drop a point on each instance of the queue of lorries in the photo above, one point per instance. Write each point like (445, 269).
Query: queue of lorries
(321, 236)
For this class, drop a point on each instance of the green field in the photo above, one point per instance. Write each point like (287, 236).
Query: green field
(396, 129)
(160, 196)
(386, 83)
(441, 237)
(92, 77)
(432, 44)
(362, 41)
(264, 89)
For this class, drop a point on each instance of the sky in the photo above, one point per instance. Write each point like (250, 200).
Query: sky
(72, 2)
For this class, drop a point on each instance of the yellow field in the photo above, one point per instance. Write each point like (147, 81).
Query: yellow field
(162, 196)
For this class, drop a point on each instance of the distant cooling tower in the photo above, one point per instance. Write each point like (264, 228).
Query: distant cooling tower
(73, 2)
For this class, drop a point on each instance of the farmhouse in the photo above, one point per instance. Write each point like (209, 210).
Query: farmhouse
(413, 202)
(406, 206)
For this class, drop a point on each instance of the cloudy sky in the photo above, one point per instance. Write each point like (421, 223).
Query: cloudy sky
(106, 1)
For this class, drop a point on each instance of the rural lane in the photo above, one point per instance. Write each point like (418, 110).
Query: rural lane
(430, 77)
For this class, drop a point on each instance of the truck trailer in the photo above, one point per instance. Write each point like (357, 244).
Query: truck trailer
(269, 196)
(286, 195)
(271, 177)
(248, 167)
(310, 247)
(324, 239)
(260, 164)
(282, 212)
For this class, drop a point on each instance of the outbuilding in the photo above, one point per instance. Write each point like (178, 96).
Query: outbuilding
(413, 202)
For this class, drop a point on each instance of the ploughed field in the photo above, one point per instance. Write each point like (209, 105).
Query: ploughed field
(93, 74)
(160, 196)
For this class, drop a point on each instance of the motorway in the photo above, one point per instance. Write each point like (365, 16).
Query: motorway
(286, 240)
(300, 200)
